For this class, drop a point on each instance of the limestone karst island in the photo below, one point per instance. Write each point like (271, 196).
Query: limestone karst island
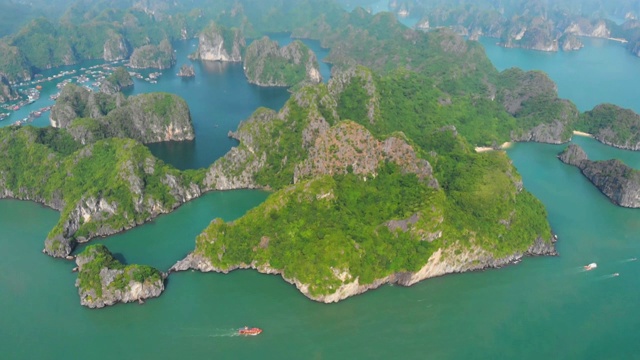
(161, 158)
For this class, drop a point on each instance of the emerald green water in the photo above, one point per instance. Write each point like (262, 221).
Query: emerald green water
(541, 308)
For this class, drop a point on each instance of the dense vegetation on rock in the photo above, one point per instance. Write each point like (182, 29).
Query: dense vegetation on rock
(267, 64)
(152, 56)
(118, 80)
(456, 67)
(612, 125)
(619, 182)
(351, 211)
(100, 189)
(545, 26)
(108, 30)
(89, 116)
(374, 175)
(103, 280)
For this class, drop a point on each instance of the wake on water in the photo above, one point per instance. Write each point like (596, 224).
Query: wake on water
(605, 277)
(209, 332)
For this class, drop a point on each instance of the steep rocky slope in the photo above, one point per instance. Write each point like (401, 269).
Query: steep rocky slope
(619, 182)
(6, 91)
(612, 125)
(531, 97)
(218, 43)
(103, 280)
(115, 47)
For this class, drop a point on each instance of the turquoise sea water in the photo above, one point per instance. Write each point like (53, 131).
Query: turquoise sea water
(601, 72)
(541, 308)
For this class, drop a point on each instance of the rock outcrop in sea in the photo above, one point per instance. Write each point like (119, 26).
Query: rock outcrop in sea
(619, 182)
(268, 64)
(613, 126)
(218, 43)
(152, 56)
(186, 71)
(148, 118)
(104, 281)
(118, 80)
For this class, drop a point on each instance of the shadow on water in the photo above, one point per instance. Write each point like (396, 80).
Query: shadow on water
(120, 257)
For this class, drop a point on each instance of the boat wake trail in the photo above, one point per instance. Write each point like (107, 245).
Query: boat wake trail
(209, 332)
(630, 260)
(223, 333)
(610, 276)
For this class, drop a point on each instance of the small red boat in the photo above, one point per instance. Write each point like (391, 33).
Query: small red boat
(249, 331)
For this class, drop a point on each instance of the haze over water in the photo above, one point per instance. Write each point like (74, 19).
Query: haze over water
(541, 308)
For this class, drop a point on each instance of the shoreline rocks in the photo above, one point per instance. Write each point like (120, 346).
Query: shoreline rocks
(442, 262)
(187, 71)
(104, 281)
(617, 181)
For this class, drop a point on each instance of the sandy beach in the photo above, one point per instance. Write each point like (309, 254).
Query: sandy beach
(580, 133)
(483, 149)
(504, 146)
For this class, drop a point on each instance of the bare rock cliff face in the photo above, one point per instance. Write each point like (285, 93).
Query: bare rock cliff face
(585, 27)
(115, 48)
(217, 43)
(7, 93)
(544, 133)
(537, 35)
(619, 182)
(350, 147)
(570, 42)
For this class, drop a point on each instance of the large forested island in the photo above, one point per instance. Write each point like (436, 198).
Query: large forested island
(373, 176)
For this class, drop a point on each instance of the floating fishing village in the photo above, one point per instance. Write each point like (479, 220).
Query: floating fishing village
(89, 77)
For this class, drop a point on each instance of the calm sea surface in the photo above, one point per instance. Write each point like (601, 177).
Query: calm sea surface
(542, 308)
